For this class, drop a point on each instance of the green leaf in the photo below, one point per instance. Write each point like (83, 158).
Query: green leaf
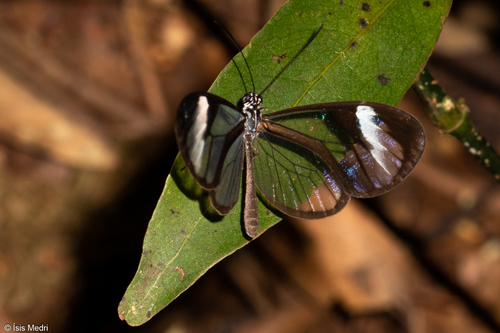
(368, 50)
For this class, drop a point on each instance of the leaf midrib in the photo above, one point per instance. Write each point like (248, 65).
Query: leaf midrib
(340, 54)
(179, 250)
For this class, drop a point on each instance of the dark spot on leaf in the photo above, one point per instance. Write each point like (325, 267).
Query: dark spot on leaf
(145, 253)
(182, 169)
(354, 45)
(150, 265)
(341, 2)
(159, 264)
(148, 314)
(183, 232)
(329, 14)
(427, 3)
(278, 59)
(301, 14)
(366, 7)
(384, 80)
(363, 23)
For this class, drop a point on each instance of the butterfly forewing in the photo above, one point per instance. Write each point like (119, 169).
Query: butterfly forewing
(390, 144)
(375, 145)
(207, 126)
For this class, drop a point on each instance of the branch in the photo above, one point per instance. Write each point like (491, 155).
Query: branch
(453, 118)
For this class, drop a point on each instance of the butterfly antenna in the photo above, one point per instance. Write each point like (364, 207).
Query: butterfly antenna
(239, 50)
(296, 56)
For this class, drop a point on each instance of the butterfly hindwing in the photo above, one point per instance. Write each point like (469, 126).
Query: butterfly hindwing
(296, 173)
(227, 193)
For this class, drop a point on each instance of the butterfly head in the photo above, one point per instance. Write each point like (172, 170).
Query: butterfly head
(252, 100)
(252, 110)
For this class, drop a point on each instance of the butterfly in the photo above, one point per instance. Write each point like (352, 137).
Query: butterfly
(307, 161)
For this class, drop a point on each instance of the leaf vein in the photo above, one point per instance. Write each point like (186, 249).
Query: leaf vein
(340, 54)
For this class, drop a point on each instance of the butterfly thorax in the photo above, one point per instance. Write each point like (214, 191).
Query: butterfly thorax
(252, 111)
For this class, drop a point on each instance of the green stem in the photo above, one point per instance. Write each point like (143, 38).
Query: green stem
(453, 118)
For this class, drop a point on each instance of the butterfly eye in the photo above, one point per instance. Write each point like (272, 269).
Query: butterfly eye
(252, 98)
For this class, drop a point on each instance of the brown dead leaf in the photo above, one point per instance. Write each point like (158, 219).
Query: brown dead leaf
(30, 121)
(364, 263)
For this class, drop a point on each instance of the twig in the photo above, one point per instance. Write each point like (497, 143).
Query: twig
(453, 118)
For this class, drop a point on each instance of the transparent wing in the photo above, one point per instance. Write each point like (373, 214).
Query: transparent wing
(207, 126)
(299, 181)
(375, 145)
(227, 193)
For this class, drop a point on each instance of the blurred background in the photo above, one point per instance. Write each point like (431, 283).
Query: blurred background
(88, 94)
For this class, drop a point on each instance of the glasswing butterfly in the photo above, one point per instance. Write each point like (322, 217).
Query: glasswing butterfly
(307, 161)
